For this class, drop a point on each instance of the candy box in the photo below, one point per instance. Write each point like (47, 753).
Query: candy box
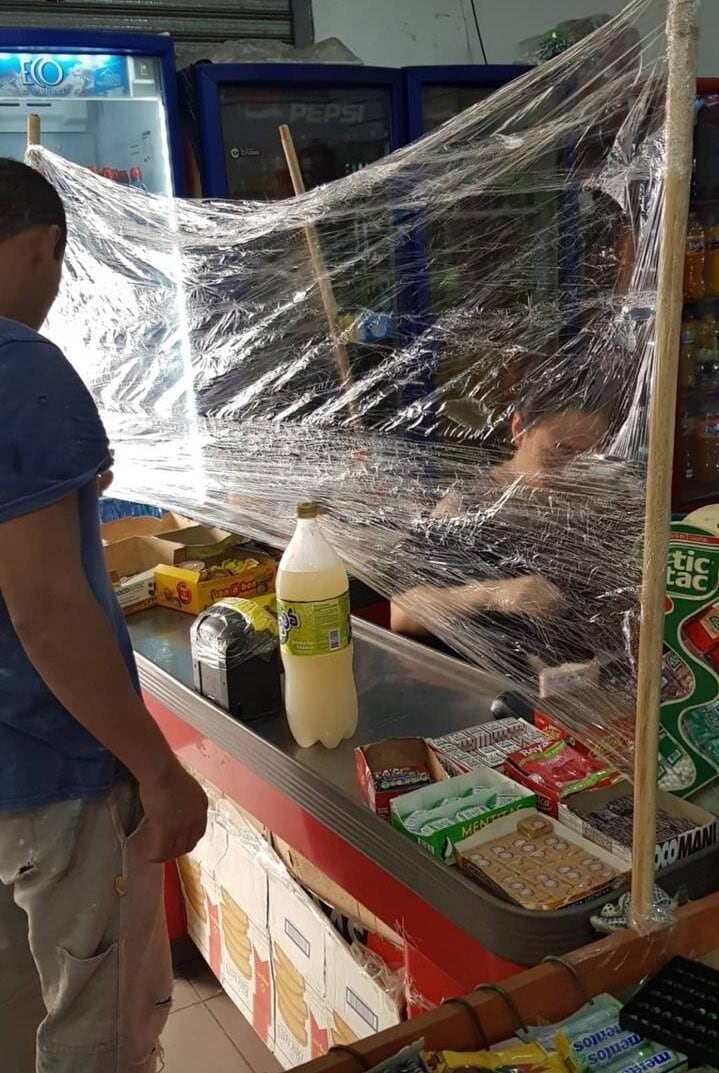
(556, 771)
(689, 745)
(393, 767)
(207, 565)
(451, 812)
(696, 829)
(489, 744)
(568, 869)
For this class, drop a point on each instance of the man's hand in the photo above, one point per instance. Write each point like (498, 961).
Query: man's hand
(175, 806)
(104, 481)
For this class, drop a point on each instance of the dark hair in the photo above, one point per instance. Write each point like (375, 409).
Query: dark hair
(28, 200)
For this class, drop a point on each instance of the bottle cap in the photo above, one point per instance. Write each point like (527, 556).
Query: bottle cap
(307, 510)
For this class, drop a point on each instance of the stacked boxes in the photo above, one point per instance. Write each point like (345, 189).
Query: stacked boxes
(276, 954)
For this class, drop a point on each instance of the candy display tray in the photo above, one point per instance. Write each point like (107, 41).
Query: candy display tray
(679, 1008)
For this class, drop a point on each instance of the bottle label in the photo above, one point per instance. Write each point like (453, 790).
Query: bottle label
(315, 627)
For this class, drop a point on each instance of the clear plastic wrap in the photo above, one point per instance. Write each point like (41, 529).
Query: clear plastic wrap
(474, 416)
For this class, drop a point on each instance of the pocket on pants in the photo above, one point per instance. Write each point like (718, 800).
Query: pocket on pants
(85, 1011)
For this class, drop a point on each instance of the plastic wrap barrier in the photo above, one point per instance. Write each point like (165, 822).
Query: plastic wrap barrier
(473, 418)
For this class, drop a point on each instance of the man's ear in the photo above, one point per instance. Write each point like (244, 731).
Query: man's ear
(517, 426)
(47, 243)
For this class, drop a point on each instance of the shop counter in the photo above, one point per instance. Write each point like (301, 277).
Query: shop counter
(456, 934)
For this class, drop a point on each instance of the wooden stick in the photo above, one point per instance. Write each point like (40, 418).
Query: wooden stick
(544, 994)
(33, 129)
(319, 267)
(679, 123)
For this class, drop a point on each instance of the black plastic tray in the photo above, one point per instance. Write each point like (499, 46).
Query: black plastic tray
(679, 1008)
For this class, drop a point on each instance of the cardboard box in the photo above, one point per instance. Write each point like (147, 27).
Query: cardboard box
(131, 563)
(390, 753)
(507, 826)
(572, 815)
(689, 744)
(251, 572)
(275, 952)
(147, 525)
(131, 555)
(441, 843)
(488, 744)
(359, 1005)
(550, 792)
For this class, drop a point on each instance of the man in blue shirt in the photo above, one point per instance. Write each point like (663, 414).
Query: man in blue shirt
(92, 799)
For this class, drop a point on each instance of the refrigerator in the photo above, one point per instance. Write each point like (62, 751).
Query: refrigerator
(696, 457)
(107, 101)
(449, 252)
(435, 94)
(341, 117)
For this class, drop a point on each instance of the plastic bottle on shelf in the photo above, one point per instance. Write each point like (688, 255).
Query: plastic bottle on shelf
(694, 258)
(711, 259)
(316, 637)
(688, 353)
(136, 179)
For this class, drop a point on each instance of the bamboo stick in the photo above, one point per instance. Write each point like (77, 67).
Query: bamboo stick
(33, 129)
(681, 91)
(319, 267)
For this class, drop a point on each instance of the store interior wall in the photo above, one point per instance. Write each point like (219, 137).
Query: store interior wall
(398, 33)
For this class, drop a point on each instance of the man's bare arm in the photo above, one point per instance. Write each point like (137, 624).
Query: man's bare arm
(70, 642)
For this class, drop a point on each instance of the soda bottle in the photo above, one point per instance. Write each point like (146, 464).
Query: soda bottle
(711, 260)
(694, 286)
(136, 179)
(688, 354)
(313, 607)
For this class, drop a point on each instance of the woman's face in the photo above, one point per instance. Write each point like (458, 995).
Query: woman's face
(556, 440)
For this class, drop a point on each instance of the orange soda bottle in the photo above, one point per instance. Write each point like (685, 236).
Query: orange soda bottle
(688, 353)
(694, 258)
(711, 259)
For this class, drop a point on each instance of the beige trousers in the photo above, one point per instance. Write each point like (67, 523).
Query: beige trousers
(84, 952)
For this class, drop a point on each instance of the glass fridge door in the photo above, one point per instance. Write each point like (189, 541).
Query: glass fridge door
(104, 111)
(443, 102)
(336, 129)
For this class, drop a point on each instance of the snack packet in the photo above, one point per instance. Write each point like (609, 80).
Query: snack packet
(518, 1059)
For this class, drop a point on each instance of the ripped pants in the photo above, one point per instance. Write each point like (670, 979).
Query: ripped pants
(85, 970)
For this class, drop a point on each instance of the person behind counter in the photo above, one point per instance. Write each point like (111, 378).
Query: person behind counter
(512, 538)
(92, 799)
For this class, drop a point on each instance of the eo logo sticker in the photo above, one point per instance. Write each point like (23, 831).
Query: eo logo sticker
(691, 573)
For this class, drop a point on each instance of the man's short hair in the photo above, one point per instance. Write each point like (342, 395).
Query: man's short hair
(28, 200)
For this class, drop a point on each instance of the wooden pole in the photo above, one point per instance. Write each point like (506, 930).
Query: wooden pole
(33, 129)
(319, 267)
(679, 129)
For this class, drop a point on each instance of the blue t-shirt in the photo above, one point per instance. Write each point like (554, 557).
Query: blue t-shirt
(52, 443)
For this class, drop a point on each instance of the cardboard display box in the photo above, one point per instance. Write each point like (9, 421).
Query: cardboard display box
(441, 843)
(131, 555)
(508, 825)
(222, 566)
(489, 744)
(704, 833)
(390, 753)
(689, 743)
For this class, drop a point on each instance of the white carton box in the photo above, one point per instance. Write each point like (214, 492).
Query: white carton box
(247, 976)
(358, 1004)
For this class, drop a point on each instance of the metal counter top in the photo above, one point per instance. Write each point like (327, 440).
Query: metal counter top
(404, 690)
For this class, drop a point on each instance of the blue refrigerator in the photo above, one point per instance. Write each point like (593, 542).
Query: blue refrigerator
(435, 94)
(342, 118)
(107, 101)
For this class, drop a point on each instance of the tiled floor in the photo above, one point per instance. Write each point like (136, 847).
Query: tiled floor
(207, 1032)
